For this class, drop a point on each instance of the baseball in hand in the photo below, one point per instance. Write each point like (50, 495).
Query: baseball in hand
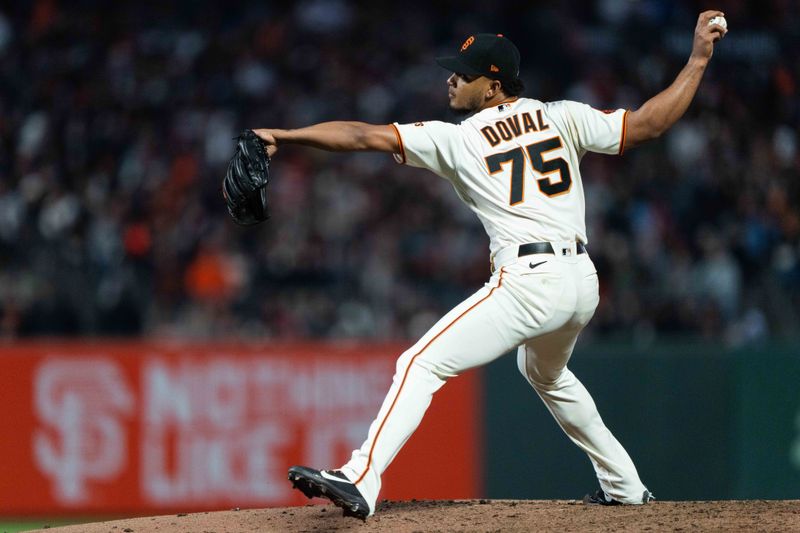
(719, 20)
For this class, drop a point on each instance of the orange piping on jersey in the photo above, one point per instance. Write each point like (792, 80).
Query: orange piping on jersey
(400, 142)
(408, 368)
(624, 132)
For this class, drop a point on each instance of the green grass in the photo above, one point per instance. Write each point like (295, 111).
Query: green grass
(29, 524)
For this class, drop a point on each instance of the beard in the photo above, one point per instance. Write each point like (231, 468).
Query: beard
(460, 111)
(468, 107)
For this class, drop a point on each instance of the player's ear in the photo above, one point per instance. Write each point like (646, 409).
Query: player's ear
(494, 87)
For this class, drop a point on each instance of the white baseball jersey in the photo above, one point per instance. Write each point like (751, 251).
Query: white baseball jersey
(516, 165)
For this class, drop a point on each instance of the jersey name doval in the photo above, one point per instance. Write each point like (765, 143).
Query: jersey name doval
(513, 126)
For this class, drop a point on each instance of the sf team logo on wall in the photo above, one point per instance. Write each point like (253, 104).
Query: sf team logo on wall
(133, 428)
(80, 403)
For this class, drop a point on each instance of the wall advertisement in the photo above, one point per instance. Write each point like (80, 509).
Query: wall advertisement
(130, 427)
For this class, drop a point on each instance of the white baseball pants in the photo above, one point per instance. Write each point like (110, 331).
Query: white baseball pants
(538, 303)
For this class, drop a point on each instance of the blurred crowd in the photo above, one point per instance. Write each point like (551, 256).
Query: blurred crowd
(117, 120)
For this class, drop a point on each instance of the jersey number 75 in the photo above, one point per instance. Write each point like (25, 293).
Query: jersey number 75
(536, 152)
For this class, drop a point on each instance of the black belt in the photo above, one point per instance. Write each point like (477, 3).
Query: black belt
(544, 248)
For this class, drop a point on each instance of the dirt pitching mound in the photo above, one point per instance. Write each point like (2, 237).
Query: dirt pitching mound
(477, 515)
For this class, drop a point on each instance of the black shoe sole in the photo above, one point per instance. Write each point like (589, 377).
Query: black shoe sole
(591, 499)
(594, 499)
(315, 489)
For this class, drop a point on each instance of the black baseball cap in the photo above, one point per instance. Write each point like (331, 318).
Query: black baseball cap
(485, 54)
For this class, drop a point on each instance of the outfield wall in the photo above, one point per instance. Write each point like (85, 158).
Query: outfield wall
(103, 428)
(143, 428)
(700, 422)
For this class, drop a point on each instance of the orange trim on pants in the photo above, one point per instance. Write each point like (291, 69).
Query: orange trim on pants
(408, 368)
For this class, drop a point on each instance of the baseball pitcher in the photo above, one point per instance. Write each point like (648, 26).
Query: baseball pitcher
(516, 163)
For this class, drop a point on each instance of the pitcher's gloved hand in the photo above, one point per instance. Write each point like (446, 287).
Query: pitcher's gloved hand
(245, 185)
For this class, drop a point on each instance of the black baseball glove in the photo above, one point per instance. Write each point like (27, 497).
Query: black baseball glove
(245, 183)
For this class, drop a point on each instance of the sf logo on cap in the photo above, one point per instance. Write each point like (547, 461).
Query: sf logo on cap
(469, 41)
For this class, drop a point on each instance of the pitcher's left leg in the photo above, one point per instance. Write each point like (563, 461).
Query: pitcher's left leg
(470, 335)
